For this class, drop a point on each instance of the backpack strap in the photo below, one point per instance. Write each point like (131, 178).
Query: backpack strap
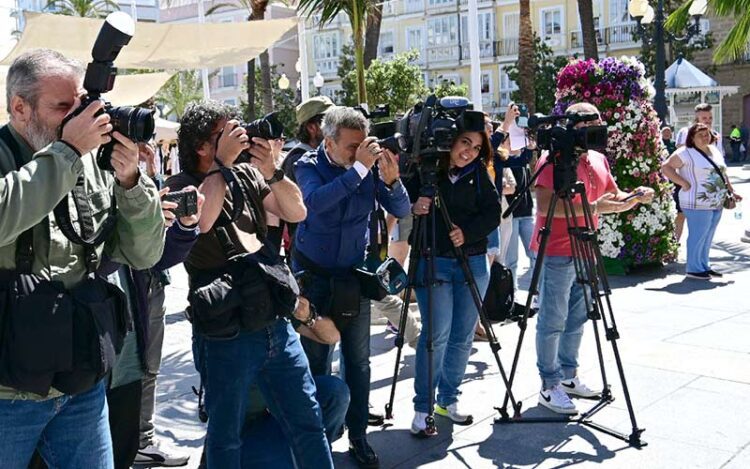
(25, 241)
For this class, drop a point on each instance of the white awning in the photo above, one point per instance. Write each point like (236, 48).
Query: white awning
(723, 90)
(161, 46)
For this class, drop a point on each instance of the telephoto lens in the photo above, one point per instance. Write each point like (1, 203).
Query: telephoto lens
(136, 123)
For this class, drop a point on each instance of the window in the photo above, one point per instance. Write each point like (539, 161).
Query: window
(228, 77)
(618, 12)
(507, 86)
(438, 3)
(326, 52)
(230, 101)
(442, 30)
(486, 82)
(485, 24)
(414, 39)
(551, 22)
(414, 5)
(385, 44)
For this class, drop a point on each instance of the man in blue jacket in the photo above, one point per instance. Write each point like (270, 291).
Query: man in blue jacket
(340, 191)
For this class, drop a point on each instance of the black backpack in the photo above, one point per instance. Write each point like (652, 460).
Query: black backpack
(499, 303)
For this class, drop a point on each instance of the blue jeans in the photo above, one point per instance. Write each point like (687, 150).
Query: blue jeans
(454, 318)
(355, 354)
(559, 326)
(264, 443)
(273, 359)
(523, 228)
(701, 229)
(69, 431)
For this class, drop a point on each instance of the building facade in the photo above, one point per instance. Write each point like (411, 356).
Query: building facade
(437, 29)
(227, 84)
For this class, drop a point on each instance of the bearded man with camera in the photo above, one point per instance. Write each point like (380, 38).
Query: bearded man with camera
(242, 335)
(562, 308)
(60, 327)
(341, 193)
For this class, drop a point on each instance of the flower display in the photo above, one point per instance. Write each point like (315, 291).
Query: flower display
(619, 89)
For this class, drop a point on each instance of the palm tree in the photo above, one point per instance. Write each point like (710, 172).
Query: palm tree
(526, 57)
(372, 36)
(735, 45)
(256, 11)
(82, 8)
(179, 91)
(357, 11)
(586, 13)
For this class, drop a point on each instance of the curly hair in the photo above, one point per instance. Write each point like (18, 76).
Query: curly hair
(196, 126)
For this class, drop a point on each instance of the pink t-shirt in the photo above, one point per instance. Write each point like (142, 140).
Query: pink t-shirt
(593, 170)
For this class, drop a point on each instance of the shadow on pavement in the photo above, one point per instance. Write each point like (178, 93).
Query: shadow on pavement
(688, 285)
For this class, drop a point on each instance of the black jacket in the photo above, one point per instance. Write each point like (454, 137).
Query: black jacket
(473, 205)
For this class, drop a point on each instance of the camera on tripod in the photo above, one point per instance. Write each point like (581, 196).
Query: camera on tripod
(551, 135)
(136, 123)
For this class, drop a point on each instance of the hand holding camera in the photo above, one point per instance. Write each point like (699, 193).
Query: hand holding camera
(232, 142)
(388, 165)
(368, 152)
(262, 156)
(125, 160)
(184, 205)
(89, 129)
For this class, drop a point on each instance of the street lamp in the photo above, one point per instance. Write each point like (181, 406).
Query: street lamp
(645, 14)
(318, 81)
(283, 82)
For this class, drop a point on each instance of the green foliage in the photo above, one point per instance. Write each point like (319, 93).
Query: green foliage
(179, 91)
(284, 101)
(735, 45)
(82, 8)
(396, 82)
(449, 88)
(546, 67)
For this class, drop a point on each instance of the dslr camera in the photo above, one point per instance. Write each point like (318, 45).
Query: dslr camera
(136, 123)
(268, 127)
(386, 132)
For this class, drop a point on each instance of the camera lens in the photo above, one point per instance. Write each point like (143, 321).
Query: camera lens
(267, 128)
(136, 123)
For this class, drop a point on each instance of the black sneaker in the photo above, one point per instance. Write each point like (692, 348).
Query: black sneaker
(375, 420)
(714, 273)
(363, 453)
(698, 275)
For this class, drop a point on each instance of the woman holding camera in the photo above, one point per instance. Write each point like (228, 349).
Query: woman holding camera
(473, 206)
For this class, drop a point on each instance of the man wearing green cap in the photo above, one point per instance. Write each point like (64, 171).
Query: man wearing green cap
(309, 117)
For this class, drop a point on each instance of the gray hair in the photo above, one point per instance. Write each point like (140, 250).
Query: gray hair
(29, 68)
(340, 117)
(580, 109)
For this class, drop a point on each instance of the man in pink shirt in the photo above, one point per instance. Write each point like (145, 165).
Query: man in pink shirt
(562, 309)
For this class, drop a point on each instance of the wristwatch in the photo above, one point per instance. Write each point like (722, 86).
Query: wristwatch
(278, 175)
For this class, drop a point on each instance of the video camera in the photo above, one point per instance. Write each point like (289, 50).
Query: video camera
(136, 123)
(566, 143)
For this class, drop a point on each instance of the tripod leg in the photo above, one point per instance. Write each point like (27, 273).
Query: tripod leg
(478, 303)
(411, 283)
(430, 249)
(533, 290)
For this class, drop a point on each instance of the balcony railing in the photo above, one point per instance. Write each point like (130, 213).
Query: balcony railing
(610, 36)
(555, 41)
(486, 49)
(445, 53)
(507, 47)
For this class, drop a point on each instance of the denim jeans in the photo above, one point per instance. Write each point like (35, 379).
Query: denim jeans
(69, 431)
(701, 229)
(355, 355)
(559, 326)
(273, 359)
(523, 228)
(454, 317)
(263, 440)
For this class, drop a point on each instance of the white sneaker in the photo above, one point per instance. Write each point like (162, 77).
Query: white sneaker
(556, 400)
(153, 456)
(419, 426)
(577, 388)
(452, 412)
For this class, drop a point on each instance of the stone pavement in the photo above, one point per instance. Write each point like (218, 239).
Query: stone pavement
(686, 354)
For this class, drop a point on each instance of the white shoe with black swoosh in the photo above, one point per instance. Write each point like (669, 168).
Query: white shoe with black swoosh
(576, 388)
(557, 400)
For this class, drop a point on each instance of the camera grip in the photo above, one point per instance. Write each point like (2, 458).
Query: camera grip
(104, 156)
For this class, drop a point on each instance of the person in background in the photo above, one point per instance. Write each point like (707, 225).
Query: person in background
(667, 140)
(735, 140)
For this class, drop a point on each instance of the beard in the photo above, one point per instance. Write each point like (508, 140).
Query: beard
(38, 134)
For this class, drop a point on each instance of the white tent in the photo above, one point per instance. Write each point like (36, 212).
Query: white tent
(158, 46)
(687, 86)
(166, 130)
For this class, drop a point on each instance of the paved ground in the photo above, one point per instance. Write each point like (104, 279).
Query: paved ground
(685, 348)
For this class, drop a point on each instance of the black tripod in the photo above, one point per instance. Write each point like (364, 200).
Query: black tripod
(590, 274)
(422, 248)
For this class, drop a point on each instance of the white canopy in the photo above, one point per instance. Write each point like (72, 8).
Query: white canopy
(162, 46)
(166, 130)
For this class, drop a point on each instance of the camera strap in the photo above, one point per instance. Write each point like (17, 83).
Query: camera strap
(378, 247)
(25, 241)
(716, 167)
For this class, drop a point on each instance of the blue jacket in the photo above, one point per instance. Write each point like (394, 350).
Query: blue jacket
(339, 202)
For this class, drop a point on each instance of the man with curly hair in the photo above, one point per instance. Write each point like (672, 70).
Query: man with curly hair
(262, 349)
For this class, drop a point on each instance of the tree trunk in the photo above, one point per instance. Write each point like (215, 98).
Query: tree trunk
(372, 37)
(526, 57)
(586, 13)
(359, 61)
(250, 91)
(265, 80)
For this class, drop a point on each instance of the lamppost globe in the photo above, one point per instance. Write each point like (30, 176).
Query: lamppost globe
(637, 8)
(283, 82)
(698, 8)
(318, 80)
(648, 17)
(298, 66)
